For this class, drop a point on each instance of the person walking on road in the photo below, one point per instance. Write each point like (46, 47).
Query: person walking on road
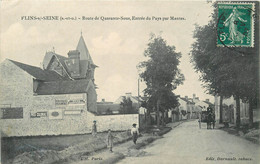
(134, 133)
(209, 120)
(110, 138)
(200, 120)
(94, 128)
(213, 119)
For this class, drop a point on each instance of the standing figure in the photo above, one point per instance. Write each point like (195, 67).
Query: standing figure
(135, 133)
(200, 120)
(213, 119)
(209, 120)
(94, 128)
(110, 138)
(232, 23)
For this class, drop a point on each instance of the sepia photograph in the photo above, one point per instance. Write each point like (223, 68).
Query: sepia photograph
(129, 82)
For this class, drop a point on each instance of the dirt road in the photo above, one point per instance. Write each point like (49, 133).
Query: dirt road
(189, 144)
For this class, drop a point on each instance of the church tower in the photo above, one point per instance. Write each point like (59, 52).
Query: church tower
(85, 59)
(78, 65)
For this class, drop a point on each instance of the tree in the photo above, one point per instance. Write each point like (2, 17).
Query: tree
(126, 106)
(161, 74)
(226, 71)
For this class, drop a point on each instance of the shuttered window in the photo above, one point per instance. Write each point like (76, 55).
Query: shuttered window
(12, 113)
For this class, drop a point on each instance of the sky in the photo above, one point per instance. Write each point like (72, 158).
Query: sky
(116, 46)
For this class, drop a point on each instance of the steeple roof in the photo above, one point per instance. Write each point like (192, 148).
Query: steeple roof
(84, 53)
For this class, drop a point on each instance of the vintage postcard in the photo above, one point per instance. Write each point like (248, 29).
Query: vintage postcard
(129, 82)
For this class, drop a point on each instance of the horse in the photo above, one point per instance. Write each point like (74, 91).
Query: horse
(210, 120)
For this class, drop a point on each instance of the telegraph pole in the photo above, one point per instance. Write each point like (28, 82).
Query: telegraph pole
(138, 93)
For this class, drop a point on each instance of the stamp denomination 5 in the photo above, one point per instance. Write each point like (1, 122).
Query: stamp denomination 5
(235, 27)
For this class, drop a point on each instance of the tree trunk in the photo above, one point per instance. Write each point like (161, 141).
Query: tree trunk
(237, 111)
(221, 110)
(157, 112)
(251, 113)
(173, 116)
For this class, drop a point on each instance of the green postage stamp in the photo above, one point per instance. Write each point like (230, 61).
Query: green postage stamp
(235, 26)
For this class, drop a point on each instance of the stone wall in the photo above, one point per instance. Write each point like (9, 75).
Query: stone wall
(113, 122)
(49, 114)
(38, 118)
(16, 90)
(16, 86)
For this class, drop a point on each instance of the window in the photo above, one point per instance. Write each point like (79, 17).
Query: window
(12, 113)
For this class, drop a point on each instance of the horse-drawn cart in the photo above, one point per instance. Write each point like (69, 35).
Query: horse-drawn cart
(208, 117)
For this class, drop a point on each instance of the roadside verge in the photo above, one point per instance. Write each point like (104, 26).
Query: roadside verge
(128, 149)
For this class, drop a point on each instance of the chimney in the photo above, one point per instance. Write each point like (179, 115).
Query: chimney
(73, 63)
(207, 100)
(194, 96)
(186, 97)
(129, 94)
(103, 100)
(73, 54)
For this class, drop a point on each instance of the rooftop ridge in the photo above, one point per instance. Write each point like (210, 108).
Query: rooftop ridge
(16, 62)
(37, 72)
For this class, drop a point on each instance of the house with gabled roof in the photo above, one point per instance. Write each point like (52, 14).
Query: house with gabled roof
(129, 95)
(34, 100)
(201, 105)
(136, 102)
(58, 99)
(186, 107)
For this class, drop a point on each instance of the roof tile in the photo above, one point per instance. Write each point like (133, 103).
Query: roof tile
(38, 73)
(62, 87)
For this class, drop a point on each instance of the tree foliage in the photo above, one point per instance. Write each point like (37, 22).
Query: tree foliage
(226, 71)
(126, 106)
(161, 74)
(168, 100)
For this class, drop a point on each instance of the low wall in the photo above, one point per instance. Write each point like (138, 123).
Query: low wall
(70, 117)
(113, 122)
(44, 126)
(68, 125)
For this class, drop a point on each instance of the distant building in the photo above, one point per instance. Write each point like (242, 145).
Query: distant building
(186, 108)
(135, 102)
(129, 95)
(106, 108)
(201, 105)
(103, 101)
(189, 108)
